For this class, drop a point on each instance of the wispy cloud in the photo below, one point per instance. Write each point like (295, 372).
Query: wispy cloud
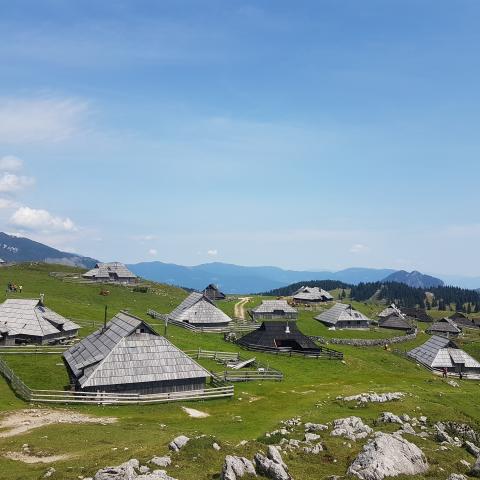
(212, 252)
(153, 252)
(10, 182)
(358, 248)
(10, 163)
(40, 120)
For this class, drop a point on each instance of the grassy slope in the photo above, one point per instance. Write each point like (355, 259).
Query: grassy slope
(309, 390)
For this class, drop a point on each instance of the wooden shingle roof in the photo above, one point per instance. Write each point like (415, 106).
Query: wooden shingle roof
(427, 352)
(83, 356)
(141, 358)
(396, 322)
(105, 271)
(31, 318)
(341, 312)
(392, 309)
(198, 309)
(312, 294)
(445, 325)
(271, 306)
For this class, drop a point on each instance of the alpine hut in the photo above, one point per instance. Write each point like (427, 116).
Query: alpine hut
(392, 309)
(446, 327)
(199, 311)
(418, 314)
(342, 315)
(213, 293)
(110, 272)
(311, 295)
(440, 353)
(127, 356)
(462, 320)
(29, 321)
(274, 310)
(396, 322)
(279, 336)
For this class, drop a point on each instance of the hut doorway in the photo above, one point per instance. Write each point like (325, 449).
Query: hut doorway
(287, 343)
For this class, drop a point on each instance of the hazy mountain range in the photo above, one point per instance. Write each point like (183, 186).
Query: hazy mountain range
(230, 278)
(237, 279)
(20, 249)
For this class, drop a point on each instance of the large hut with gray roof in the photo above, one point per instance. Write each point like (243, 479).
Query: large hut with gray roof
(446, 327)
(342, 315)
(274, 310)
(199, 311)
(439, 353)
(30, 321)
(115, 272)
(311, 296)
(128, 356)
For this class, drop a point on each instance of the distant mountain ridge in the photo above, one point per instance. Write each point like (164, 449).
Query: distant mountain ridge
(240, 279)
(20, 249)
(414, 279)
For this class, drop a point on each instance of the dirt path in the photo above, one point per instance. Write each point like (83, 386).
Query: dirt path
(239, 310)
(26, 458)
(24, 420)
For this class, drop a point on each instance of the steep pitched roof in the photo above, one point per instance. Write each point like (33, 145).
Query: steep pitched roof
(396, 322)
(417, 313)
(445, 325)
(272, 332)
(312, 294)
(213, 293)
(109, 270)
(82, 357)
(341, 312)
(30, 317)
(271, 306)
(391, 310)
(197, 309)
(427, 352)
(143, 357)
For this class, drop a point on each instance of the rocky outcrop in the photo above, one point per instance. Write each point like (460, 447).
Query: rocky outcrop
(388, 456)
(352, 428)
(374, 397)
(315, 427)
(128, 471)
(457, 476)
(472, 448)
(272, 466)
(161, 461)
(178, 443)
(389, 417)
(475, 471)
(236, 467)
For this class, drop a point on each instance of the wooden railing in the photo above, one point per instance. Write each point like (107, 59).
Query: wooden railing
(236, 326)
(324, 352)
(218, 390)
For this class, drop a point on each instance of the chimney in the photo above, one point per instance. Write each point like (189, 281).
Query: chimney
(105, 318)
(42, 299)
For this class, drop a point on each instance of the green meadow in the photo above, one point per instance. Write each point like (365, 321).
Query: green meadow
(309, 390)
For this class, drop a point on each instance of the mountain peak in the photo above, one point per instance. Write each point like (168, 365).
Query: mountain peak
(414, 279)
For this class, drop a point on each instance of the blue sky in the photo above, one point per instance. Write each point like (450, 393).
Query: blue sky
(309, 134)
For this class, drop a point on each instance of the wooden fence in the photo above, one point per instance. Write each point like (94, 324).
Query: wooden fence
(325, 353)
(218, 390)
(263, 372)
(236, 326)
(33, 349)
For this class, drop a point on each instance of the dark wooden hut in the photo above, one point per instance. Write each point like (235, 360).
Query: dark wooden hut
(274, 310)
(446, 327)
(213, 293)
(396, 322)
(279, 335)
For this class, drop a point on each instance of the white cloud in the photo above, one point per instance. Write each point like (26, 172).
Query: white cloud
(153, 252)
(10, 163)
(42, 119)
(7, 203)
(358, 248)
(212, 252)
(41, 220)
(10, 182)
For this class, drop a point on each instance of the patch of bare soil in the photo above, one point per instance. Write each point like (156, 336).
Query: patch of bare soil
(27, 458)
(22, 421)
(192, 412)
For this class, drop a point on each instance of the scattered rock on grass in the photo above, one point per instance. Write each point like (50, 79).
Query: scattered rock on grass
(472, 448)
(315, 427)
(352, 428)
(272, 466)
(236, 467)
(388, 456)
(374, 397)
(161, 461)
(178, 443)
(389, 417)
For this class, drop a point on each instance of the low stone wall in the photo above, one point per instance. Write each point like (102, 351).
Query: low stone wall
(366, 342)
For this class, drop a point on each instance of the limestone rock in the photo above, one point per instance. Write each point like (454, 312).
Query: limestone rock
(236, 467)
(272, 466)
(125, 471)
(389, 417)
(352, 428)
(472, 448)
(49, 472)
(475, 471)
(407, 428)
(178, 443)
(388, 456)
(161, 461)
(216, 446)
(457, 476)
(315, 427)
(311, 437)
(374, 397)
